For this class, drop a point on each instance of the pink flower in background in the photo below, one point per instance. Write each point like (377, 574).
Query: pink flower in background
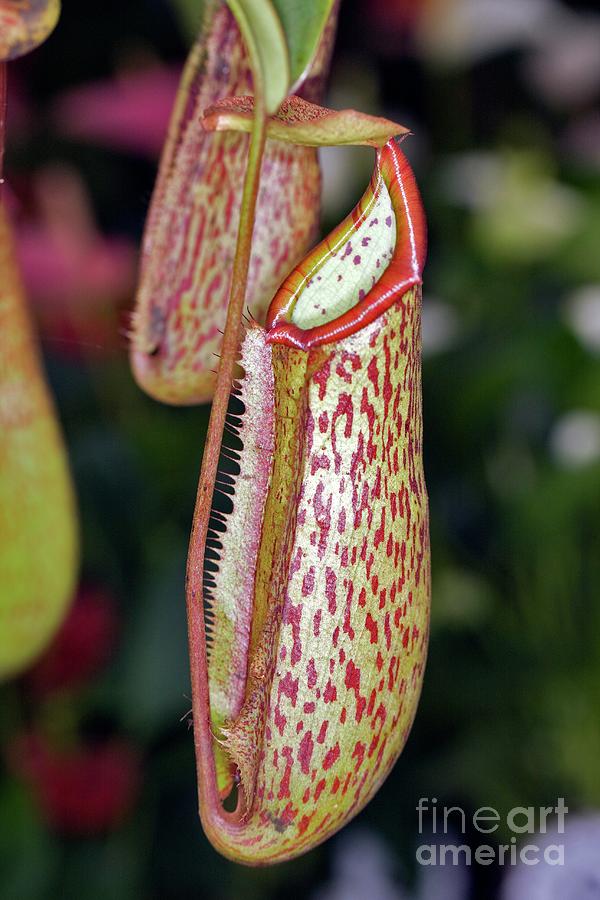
(78, 281)
(564, 65)
(130, 112)
(82, 646)
(394, 14)
(81, 787)
(20, 119)
(83, 790)
(561, 44)
(581, 140)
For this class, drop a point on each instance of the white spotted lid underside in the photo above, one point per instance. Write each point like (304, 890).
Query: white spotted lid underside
(351, 268)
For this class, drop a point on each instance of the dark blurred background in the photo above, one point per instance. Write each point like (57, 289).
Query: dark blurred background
(97, 793)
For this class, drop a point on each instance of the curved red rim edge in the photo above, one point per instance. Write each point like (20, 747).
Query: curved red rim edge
(403, 272)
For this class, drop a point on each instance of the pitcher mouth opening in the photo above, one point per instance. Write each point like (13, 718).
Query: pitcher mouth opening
(380, 246)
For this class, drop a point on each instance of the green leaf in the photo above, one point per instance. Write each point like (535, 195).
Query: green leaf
(300, 122)
(266, 43)
(303, 23)
(282, 37)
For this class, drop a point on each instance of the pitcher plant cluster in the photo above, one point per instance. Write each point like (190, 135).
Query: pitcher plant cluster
(308, 580)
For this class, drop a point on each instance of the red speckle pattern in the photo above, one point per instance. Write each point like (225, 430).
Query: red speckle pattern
(191, 232)
(340, 625)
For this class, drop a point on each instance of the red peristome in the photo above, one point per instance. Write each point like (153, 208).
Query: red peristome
(403, 272)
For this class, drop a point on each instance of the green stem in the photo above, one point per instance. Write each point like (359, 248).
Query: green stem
(195, 568)
(231, 336)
